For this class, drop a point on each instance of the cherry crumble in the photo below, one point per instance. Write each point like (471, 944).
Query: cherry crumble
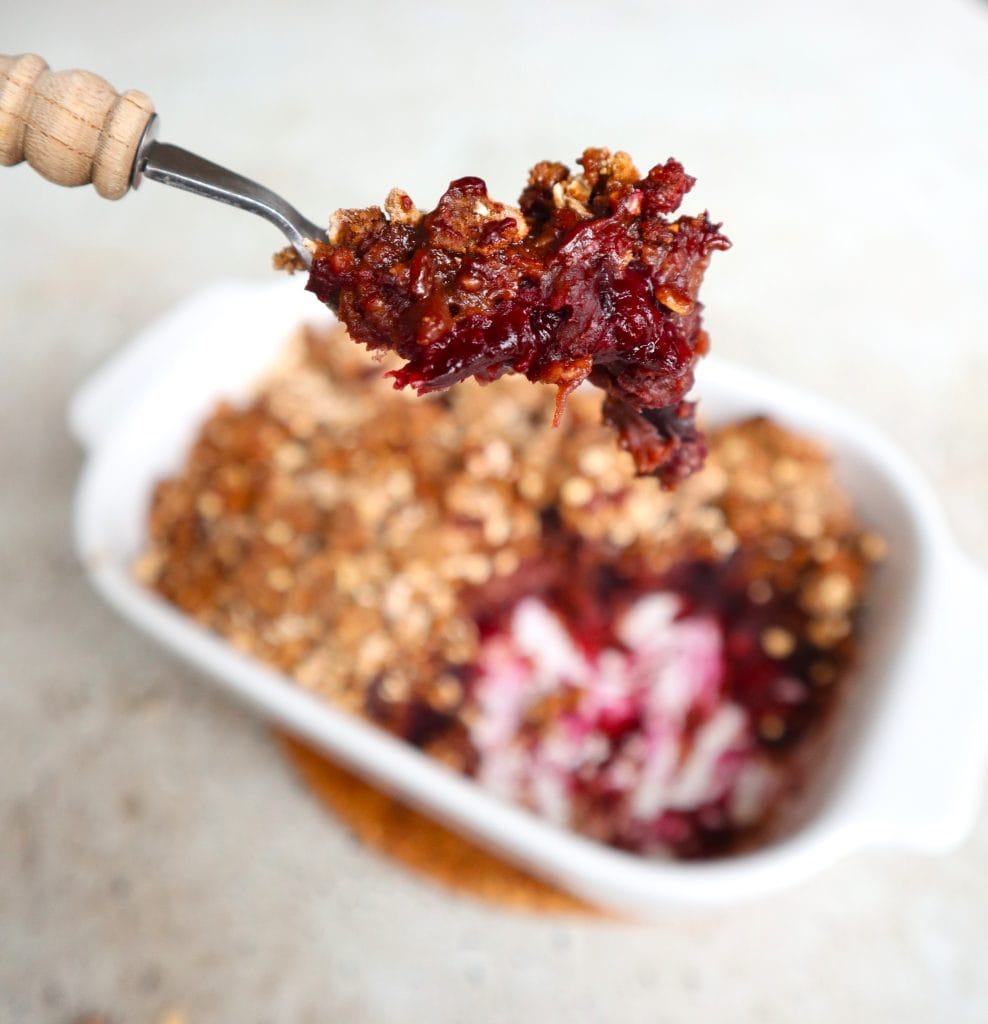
(653, 669)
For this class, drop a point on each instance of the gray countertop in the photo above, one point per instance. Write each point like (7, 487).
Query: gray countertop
(156, 855)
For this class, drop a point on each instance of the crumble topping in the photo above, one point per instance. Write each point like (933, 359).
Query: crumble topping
(647, 667)
(587, 279)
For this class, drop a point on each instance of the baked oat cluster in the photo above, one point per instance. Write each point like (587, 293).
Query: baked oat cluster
(587, 278)
(647, 667)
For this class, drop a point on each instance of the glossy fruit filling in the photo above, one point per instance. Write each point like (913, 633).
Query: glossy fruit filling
(654, 715)
(587, 279)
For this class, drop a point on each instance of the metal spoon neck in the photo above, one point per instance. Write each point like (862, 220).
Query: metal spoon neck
(172, 165)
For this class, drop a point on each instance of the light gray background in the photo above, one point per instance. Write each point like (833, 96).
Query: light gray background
(155, 853)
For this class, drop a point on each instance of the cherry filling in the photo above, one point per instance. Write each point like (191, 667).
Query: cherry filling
(658, 720)
(587, 280)
(663, 714)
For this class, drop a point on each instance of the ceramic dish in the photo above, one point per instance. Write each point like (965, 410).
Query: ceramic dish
(909, 748)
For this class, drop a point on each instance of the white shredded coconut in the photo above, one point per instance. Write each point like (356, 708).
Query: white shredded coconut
(756, 784)
(542, 637)
(649, 616)
(644, 721)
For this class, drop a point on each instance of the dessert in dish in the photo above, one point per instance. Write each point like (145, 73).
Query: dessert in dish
(653, 669)
(587, 279)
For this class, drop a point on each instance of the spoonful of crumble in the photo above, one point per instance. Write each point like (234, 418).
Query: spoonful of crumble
(587, 279)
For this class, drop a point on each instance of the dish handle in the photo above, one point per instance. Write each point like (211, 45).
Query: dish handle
(922, 781)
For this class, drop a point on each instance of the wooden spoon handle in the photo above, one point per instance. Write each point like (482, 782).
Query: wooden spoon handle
(72, 127)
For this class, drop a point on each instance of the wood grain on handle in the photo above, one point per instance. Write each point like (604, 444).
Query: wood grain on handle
(72, 127)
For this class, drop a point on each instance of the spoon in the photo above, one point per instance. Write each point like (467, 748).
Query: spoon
(75, 129)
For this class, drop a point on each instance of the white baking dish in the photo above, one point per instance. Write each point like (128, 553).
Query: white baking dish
(908, 752)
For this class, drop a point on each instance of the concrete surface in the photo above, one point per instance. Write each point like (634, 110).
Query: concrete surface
(157, 860)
